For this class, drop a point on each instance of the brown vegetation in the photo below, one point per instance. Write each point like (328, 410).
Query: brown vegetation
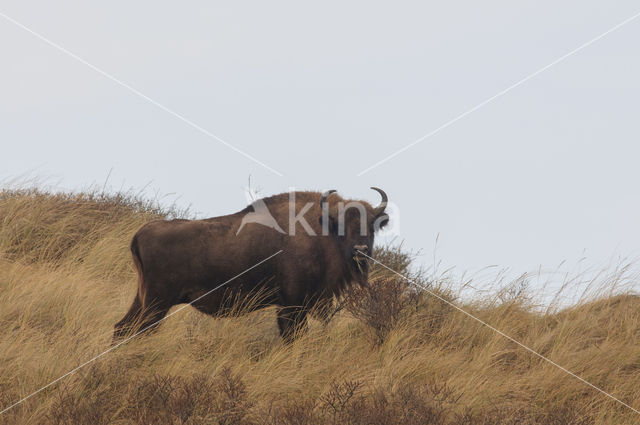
(392, 354)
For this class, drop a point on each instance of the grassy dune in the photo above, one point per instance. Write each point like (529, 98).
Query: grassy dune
(393, 354)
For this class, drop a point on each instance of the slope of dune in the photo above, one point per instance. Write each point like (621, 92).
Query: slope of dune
(393, 354)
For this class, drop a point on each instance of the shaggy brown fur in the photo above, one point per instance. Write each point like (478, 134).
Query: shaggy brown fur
(180, 260)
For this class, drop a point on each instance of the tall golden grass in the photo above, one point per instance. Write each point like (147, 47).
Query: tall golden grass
(66, 278)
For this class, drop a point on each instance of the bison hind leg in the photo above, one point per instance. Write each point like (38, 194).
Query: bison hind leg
(127, 324)
(139, 319)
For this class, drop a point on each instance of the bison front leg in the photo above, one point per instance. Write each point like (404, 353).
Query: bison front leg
(292, 322)
(324, 310)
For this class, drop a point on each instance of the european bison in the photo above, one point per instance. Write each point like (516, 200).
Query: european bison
(316, 258)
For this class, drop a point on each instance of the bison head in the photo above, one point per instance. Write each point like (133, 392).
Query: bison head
(353, 225)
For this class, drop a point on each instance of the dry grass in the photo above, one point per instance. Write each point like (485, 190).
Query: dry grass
(393, 355)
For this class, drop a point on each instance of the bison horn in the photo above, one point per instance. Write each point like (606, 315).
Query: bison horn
(325, 196)
(380, 208)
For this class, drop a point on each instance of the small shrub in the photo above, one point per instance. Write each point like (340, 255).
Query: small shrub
(381, 304)
(338, 398)
(200, 399)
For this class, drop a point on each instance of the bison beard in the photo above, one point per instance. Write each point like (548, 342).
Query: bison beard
(180, 260)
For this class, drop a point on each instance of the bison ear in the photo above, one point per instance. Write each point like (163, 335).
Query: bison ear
(380, 222)
(330, 227)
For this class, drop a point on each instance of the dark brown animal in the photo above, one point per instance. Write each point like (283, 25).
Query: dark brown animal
(178, 261)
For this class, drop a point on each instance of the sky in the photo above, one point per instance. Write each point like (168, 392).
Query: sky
(164, 95)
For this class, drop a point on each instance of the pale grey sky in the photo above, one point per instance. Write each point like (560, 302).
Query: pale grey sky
(548, 172)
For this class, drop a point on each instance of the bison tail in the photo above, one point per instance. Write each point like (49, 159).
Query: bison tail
(137, 260)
